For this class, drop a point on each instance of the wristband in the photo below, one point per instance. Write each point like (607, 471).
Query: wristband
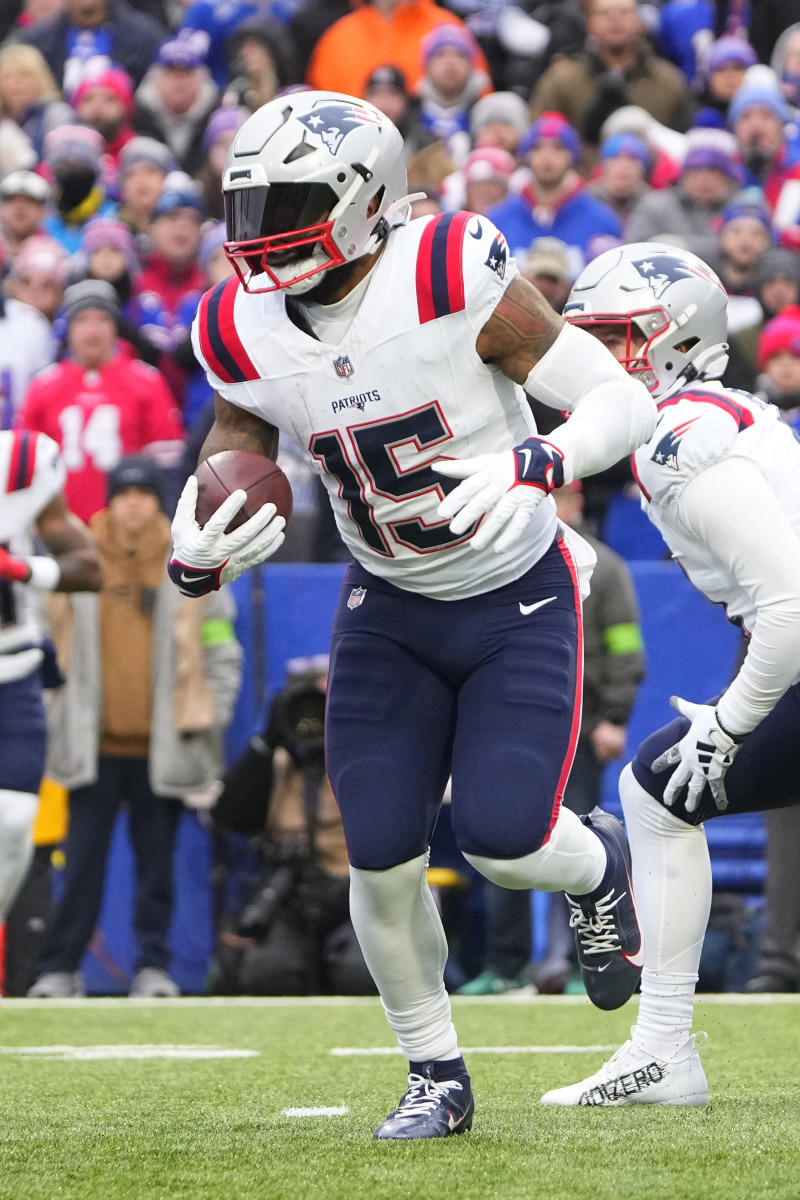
(45, 572)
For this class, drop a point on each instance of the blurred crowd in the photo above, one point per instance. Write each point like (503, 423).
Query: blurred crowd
(574, 125)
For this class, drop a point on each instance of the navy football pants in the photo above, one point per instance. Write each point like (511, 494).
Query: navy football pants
(420, 689)
(23, 734)
(765, 773)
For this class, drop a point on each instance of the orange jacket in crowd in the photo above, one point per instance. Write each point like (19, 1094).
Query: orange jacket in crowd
(350, 50)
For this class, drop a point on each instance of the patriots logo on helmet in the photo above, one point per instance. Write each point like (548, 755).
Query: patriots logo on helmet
(660, 271)
(498, 256)
(332, 120)
(666, 452)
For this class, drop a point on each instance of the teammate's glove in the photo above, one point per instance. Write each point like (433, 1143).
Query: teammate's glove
(506, 487)
(204, 558)
(13, 568)
(703, 755)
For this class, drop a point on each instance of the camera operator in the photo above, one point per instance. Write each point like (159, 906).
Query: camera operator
(292, 934)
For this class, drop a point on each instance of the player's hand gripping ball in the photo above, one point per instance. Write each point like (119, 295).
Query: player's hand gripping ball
(231, 516)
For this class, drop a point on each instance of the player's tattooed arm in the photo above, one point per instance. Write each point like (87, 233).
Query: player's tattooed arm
(236, 429)
(520, 331)
(71, 544)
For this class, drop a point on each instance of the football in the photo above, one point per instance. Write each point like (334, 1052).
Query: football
(221, 474)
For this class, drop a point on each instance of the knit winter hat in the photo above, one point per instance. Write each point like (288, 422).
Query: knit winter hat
(139, 471)
(104, 231)
(625, 145)
(489, 162)
(748, 203)
(41, 253)
(146, 149)
(506, 108)
(552, 125)
(712, 148)
(765, 97)
(90, 293)
(730, 51)
(78, 143)
(780, 334)
(225, 120)
(114, 79)
(449, 36)
(776, 262)
(185, 52)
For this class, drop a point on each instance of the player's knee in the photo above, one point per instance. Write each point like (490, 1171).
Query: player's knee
(641, 807)
(17, 814)
(512, 873)
(387, 893)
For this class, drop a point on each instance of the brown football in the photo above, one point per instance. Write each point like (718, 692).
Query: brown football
(226, 472)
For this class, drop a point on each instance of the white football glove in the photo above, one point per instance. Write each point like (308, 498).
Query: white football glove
(506, 487)
(202, 559)
(703, 755)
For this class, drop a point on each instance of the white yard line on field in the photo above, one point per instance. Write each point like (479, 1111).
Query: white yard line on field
(93, 1053)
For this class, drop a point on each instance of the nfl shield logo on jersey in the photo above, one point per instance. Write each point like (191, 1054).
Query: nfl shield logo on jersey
(343, 366)
(356, 597)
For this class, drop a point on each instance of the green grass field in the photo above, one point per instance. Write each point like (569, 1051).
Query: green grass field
(75, 1124)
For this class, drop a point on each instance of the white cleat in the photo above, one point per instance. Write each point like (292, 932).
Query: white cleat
(634, 1076)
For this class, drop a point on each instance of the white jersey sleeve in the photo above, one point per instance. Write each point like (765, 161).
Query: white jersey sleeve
(731, 509)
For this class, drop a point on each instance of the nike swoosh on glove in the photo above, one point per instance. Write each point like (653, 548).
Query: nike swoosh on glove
(204, 558)
(703, 756)
(505, 489)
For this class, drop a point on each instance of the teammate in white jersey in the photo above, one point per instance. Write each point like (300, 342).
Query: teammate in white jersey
(720, 478)
(31, 505)
(393, 353)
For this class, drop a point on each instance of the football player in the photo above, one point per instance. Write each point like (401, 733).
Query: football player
(394, 353)
(32, 506)
(720, 478)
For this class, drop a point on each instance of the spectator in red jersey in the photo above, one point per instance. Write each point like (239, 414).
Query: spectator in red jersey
(105, 101)
(100, 404)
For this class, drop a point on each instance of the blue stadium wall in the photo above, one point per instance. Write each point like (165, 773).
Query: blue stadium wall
(286, 611)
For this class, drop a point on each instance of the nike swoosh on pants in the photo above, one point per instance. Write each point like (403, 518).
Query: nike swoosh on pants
(527, 609)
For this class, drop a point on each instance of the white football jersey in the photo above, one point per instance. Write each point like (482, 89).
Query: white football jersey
(699, 427)
(403, 387)
(31, 475)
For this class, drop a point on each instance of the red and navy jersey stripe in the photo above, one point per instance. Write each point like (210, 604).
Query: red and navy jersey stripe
(741, 415)
(22, 460)
(220, 343)
(440, 267)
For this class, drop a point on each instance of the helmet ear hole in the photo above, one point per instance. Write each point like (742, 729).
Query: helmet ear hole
(685, 346)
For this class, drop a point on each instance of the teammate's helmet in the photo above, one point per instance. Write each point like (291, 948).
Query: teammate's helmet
(671, 297)
(299, 178)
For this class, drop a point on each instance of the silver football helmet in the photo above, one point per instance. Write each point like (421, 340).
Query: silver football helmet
(299, 179)
(671, 298)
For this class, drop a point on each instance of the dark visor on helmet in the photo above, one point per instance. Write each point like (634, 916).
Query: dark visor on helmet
(259, 212)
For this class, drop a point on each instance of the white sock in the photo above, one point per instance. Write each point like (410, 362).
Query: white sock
(401, 937)
(672, 887)
(573, 860)
(17, 814)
